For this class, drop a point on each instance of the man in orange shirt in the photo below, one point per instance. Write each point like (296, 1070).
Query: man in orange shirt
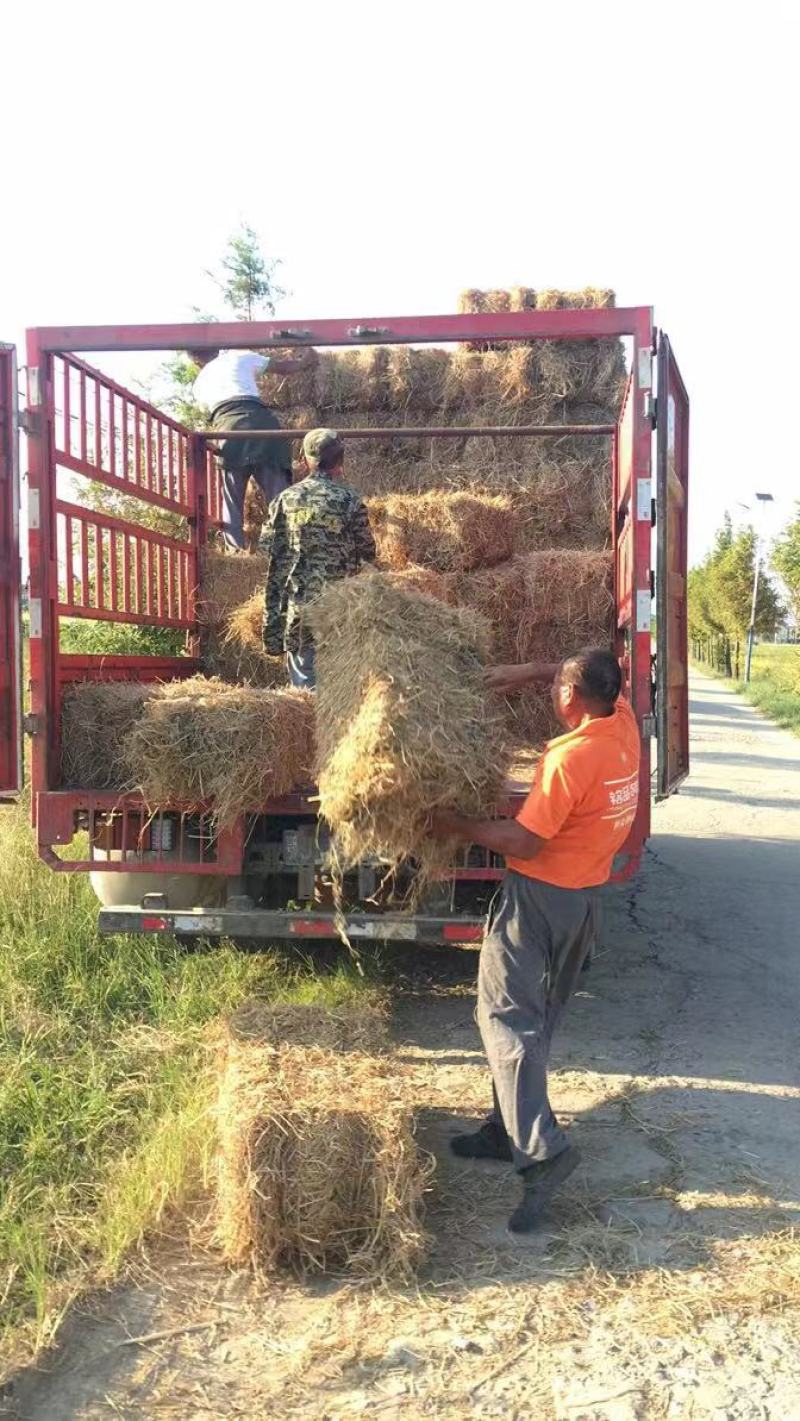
(542, 923)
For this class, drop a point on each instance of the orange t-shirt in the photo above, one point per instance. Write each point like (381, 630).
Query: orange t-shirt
(583, 801)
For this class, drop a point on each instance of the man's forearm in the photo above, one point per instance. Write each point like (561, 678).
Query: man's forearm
(501, 836)
(525, 673)
(287, 366)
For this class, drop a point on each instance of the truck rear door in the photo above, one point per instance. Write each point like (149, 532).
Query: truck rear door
(10, 577)
(672, 497)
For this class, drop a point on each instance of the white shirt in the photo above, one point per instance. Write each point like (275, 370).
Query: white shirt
(230, 376)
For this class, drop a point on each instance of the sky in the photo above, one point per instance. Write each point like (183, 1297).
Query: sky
(392, 155)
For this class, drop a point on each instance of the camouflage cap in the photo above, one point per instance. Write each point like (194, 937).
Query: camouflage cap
(315, 444)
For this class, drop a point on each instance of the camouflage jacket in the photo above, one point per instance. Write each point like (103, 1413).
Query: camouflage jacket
(318, 532)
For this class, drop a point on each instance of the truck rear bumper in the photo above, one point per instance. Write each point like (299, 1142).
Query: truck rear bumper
(257, 924)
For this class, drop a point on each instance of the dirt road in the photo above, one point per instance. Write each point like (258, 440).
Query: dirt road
(660, 1285)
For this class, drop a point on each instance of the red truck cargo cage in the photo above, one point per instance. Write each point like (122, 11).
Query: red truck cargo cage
(119, 567)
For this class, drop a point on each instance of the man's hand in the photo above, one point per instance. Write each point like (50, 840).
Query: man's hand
(506, 679)
(445, 824)
(287, 365)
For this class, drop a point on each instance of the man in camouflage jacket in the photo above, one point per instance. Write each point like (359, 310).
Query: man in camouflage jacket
(318, 531)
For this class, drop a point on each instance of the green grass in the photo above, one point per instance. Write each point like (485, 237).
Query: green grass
(82, 637)
(774, 684)
(105, 1081)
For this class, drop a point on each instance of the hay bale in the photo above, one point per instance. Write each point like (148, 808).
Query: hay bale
(440, 585)
(201, 741)
(97, 718)
(589, 297)
(318, 1167)
(404, 722)
(450, 532)
(582, 370)
(363, 1026)
(530, 719)
(243, 651)
(226, 581)
(422, 380)
(542, 605)
(475, 302)
(230, 581)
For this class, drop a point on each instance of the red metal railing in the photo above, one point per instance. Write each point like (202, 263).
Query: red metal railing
(106, 433)
(213, 485)
(115, 571)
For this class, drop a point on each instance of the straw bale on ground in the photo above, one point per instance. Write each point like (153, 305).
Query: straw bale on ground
(450, 532)
(404, 722)
(363, 1026)
(96, 720)
(318, 1167)
(201, 741)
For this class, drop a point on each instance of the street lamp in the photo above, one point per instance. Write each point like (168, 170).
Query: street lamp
(751, 630)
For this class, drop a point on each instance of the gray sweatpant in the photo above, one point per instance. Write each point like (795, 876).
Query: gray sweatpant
(537, 938)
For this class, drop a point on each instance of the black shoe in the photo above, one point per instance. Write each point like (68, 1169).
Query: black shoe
(539, 1182)
(490, 1142)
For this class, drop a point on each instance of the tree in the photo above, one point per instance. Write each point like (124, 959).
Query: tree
(786, 560)
(247, 282)
(721, 595)
(246, 279)
(733, 576)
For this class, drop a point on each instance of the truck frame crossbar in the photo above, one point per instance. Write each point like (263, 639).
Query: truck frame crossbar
(452, 431)
(261, 925)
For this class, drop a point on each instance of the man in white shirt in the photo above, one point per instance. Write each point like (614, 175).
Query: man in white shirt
(228, 386)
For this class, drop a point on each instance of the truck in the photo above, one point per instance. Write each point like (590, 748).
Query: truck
(169, 868)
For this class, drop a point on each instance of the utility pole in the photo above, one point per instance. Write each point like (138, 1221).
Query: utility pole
(751, 630)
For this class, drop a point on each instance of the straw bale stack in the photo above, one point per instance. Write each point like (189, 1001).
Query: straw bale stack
(404, 722)
(473, 301)
(201, 741)
(450, 532)
(318, 1167)
(541, 605)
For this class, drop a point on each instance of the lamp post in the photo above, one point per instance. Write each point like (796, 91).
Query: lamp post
(751, 630)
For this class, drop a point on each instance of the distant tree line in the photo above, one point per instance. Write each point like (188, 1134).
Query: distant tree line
(721, 594)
